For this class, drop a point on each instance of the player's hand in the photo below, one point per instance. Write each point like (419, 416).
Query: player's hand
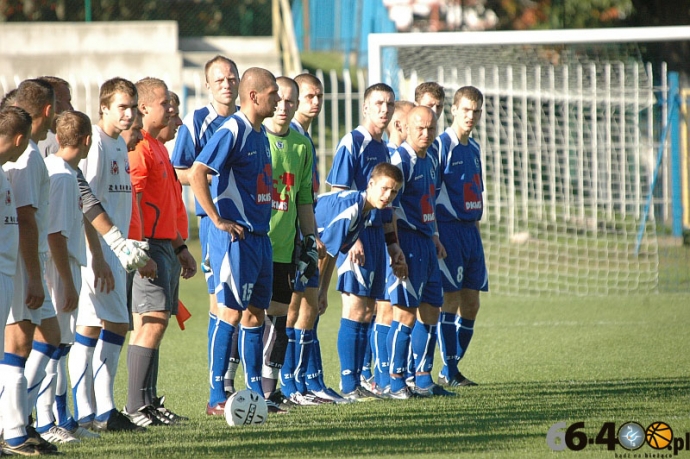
(149, 270)
(188, 264)
(322, 301)
(321, 247)
(35, 295)
(235, 229)
(70, 300)
(308, 261)
(398, 262)
(440, 250)
(132, 254)
(103, 275)
(356, 253)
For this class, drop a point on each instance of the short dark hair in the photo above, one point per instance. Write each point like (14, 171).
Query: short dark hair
(72, 127)
(387, 170)
(429, 87)
(381, 87)
(308, 78)
(8, 99)
(33, 95)
(470, 93)
(288, 80)
(13, 121)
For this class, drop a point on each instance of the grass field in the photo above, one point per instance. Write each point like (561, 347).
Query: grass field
(538, 361)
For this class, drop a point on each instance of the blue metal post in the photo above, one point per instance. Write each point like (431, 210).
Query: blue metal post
(676, 181)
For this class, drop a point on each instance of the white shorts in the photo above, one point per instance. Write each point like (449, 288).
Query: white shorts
(66, 320)
(96, 306)
(6, 289)
(18, 310)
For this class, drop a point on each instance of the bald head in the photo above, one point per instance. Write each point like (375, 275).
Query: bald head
(397, 128)
(258, 95)
(421, 129)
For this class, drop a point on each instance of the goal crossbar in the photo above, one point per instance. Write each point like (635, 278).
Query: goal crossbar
(531, 37)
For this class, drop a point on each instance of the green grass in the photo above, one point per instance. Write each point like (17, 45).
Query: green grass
(539, 360)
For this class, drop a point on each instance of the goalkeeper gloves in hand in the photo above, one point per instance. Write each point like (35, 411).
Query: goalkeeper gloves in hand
(132, 254)
(308, 261)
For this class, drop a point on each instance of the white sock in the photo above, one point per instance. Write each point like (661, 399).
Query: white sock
(46, 395)
(35, 371)
(13, 404)
(81, 375)
(105, 360)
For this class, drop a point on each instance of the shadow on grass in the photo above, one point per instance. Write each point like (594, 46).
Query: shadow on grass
(488, 418)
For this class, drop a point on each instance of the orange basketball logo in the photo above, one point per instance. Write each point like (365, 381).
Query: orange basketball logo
(659, 435)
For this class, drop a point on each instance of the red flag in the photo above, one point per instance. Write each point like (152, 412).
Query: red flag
(182, 314)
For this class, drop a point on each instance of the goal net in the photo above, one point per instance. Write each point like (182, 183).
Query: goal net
(568, 141)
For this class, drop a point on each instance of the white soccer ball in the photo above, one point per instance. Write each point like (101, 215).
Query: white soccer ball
(245, 407)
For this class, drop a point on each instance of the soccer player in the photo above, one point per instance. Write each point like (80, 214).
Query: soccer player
(291, 159)
(430, 94)
(222, 80)
(66, 257)
(459, 208)
(103, 321)
(303, 311)
(31, 306)
(341, 216)
(154, 300)
(168, 132)
(397, 133)
(361, 272)
(63, 101)
(238, 205)
(416, 299)
(15, 132)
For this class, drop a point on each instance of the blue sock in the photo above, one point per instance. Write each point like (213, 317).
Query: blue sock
(287, 371)
(212, 321)
(219, 353)
(316, 352)
(448, 344)
(64, 417)
(423, 346)
(348, 335)
(379, 344)
(251, 348)
(304, 340)
(465, 332)
(365, 369)
(398, 348)
(314, 374)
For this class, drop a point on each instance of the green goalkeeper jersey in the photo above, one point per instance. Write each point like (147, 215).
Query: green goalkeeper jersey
(291, 157)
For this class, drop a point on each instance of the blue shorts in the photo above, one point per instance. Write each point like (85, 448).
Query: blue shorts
(204, 224)
(243, 269)
(465, 266)
(423, 283)
(313, 282)
(368, 280)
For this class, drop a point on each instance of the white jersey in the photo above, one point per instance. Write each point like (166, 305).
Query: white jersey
(107, 170)
(65, 215)
(9, 228)
(31, 187)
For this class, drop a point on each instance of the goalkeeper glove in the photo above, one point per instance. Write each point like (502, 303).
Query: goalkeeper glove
(132, 254)
(308, 261)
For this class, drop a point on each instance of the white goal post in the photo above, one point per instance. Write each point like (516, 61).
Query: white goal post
(568, 135)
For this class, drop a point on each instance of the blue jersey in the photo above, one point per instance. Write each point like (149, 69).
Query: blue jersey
(357, 154)
(391, 148)
(416, 201)
(196, 130)
(240, 159)
(340, 218)
(461, 183)
(316, 181)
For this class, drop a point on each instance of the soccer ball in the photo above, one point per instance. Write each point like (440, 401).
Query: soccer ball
(245, 407)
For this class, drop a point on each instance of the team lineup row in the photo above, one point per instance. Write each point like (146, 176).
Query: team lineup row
(269, 247)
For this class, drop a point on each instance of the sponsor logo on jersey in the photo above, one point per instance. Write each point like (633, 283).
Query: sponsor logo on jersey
(427, 205)
(114, 168)
(456, 163)
(473, 205)
(280, 144)
(127, 166)
(8, 197)
(264, 184)
(251, 153)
